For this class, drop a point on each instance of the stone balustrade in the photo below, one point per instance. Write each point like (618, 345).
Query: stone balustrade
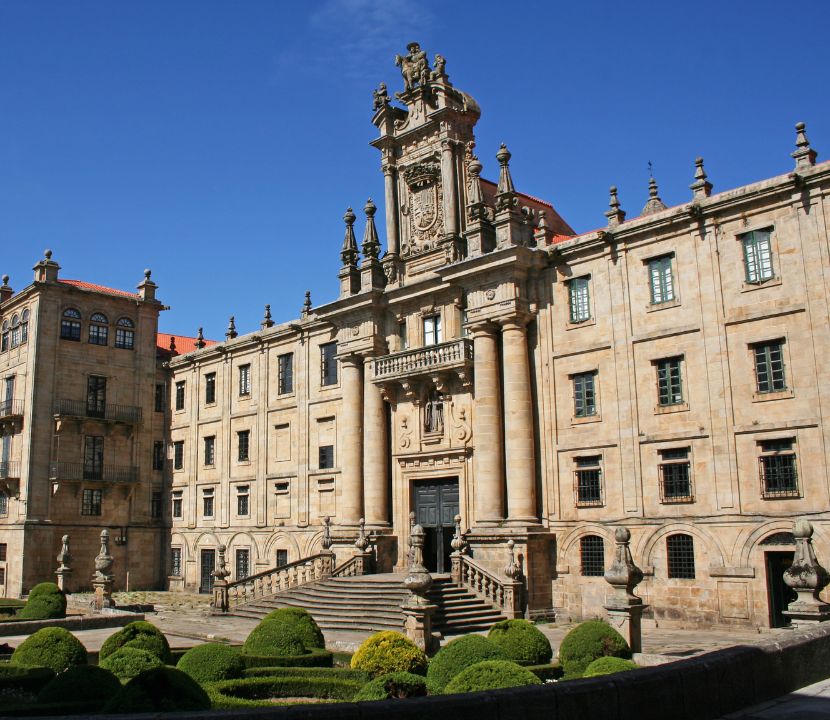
(506, 595)
(451, 355)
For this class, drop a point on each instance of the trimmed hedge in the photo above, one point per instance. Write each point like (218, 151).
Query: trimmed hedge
(127, 662)
(609, 665)
(309, 672)
(587, 642)
(163, 689)
(24, 679)
(521, 641)
(46, 601)
(257, 692)
(275, 638)
(51, 647)
(394, 685)
(491, 675)
(313, 658)
(457, 655)
(211, 662)
(82, 683)
(546, 672)
(301, 621)
(387, 652)
(139, 634)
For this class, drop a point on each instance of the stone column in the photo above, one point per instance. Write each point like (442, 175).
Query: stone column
(390, 199)
(449, 187)
(375, 471)
(487, 431)
(518, 425)
(350, 441)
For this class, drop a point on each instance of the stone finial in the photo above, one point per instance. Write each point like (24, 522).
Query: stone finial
(808, 578)
(64, 571)
(409, 541)
(221, 571)
(104, 561)
(623, 575)
(458, 542)
(200, 339)
(147, 288)
(512, 571)
(701, 187)
(420, 584)
(47, 269)
(172, 345)
(47, 254)
(804, 155)
(362, 542)
(306, 311)
(5, 289)
(231, 333)
(348, 253)
(326, 542)
(615, 214)
(654, 204)
(505, 186)
(371, 244)
(266, 318)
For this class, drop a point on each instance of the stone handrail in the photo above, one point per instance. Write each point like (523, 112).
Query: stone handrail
(505, 594)
(269, 582)
(350, 568)
(433, 357)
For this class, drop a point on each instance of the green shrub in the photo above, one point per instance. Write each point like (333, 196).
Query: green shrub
(491, 675)
(258, 692)
(309, 672)
(139, 634)
(44, 588)
(387, 652)
(609, 665)
(313, 658)
(127, 662)
(46, 601)
(521, 641)
(211, 662)
(82, 683)
(301, 621)
(457, 655)
(587, 642)
(162, 689)
(274, 638)
(394, 685)
(51, 647)
(15, 678)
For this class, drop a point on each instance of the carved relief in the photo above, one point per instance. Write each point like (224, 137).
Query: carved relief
(461, 429)
(405, 434)
(423, 206)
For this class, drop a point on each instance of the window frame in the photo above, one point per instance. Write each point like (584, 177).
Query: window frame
(243, 445)
(670, 384)
(178, 454)
(243, 500)
(592, 559)
(329, 371)
(581, 393)
(156, 504)
(177, 504)
(769, 370)
(179, 395)
(245, 380)
(124, 334)
(584, 467)
(208, 503)
(158, 454)
(432, 329)
(70, 327)
(98, 331)
(210, 388)
(579, 307)
(158, 399)
(661, 270)
(754, 271)
(325, 457)
(285, 373)
(209, 456)
(678, 568)
(238, 555)
(668, 465)
(92, 500)
(176, 561)
(776, 451)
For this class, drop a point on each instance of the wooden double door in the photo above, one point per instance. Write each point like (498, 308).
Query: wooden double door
(436, 505)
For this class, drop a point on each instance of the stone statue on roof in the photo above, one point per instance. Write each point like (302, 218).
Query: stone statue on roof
(414, 66)
(380, 97)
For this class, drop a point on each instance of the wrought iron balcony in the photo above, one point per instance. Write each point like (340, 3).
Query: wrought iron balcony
(114, 413)
(11, 408)
(102, 473)
(455, 355)
(9, 470)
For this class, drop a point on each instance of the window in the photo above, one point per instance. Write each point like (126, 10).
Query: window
(432, 330)
(585, 403)
(769, 367)
(328, 364)
(4, 503)
(325, 457)
(15, 334)
(588, 481)
(155, 504)
(93, 458)
(178, 454)
(242, 563)
(158, 455)
(176, 561)
(403, 340)
(96, 396)
(6, 405)
(661, 280)
(579, 300)
(3, 552)
(242, 501)
(180, 395)
(285, 373)
(777, 467)
(207, 502)
(4, 343)
(24, 327)
(244, 379)
(210, 450)
(282, 558)
(177, 504)
(210, 388)
(680, 554)
(98, 329)
(243, 441)
(757, 256)
(675, 476)
(669, 382)
(592, 556)
(159, 399)
(125, 334)
(91, 502)
(71, 325)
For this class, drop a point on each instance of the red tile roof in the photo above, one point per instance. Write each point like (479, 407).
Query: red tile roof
(184, 344)
(99, 288)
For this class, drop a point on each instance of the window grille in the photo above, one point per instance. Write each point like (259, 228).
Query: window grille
(285, 366)
(242, 501)
(176, 561)
(210, 388)
(588, 481)
(675, 476)
(757, 256)
(242, 563)
(584, 395)
(243, 441)
(124, 334)
(325, 457)
(4, 503)
(207, 502)
(244, 379)
(661, 280)
(178, 454)
(210, 450)
(592, 556)
(579, 300)
(177, 504)
(91, 502)
(669, 382)
(769, 367)
(778, 469)
(680, 554)
(328, 364)
(180, 395)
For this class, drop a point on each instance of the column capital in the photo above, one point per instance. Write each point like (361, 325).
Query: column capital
(351, 359)
(516, 322)
(483, 327)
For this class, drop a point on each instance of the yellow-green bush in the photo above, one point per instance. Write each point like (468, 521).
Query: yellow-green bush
(608, 665)
(52, 647)
(387, 652)
(521, 641)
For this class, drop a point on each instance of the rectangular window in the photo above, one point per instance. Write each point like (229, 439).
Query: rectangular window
(757, 256)
(584, 395)
(661, 280)
(592, 556)
(432, 330)
(680, 556)
(177, 504)
(124, 338)
(243, 439)
(98, 334)
(180, 395)
(675, 476)
(159, 399)
(158, 455)
(669, 382)
(777, 468)
(4, 503)
(769, 366)
(93, 457)
(588, 481)
(70, 330)
(3, 552)
(282, 558)
(328, 364)
(210, 388)
(155, 504)
(242, 563)
(285, 367)
(96, 396)
(207, 502)
(244, 379)
(325, 457)
(242, 501)
(210, 450)
(178, 454)
(403, 340)
(176, 561)
(579, 301)
(91, 502)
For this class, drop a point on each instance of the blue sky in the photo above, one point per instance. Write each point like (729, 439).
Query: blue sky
(219, 142)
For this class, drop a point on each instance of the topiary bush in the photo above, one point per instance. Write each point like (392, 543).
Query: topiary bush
(301, 621)
(82, 683)
(53, 647)
(274, 638)
(457, 655)
(18, 679)
(312, 658)
(521, 641)
(211, 662)
(587, 642)
(46, 601)
(387, 652)
(491, 675)
(127, 662)
(263, 691)
(162, 689)
(139, 634)
(609, 665)
(394, 685)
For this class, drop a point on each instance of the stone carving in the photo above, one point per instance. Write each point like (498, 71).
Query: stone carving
(416, 608)
(434, 413)
(512, 571)
(64, 571)
(221, 601)
(362, 542)
(327, 541)
(380, 97)
(462, 431)
(102, 579)
(405, 436)
(423, 206)
(414, 67)
(458, 542)
(807, 577)
(625, 609)
(439, 73)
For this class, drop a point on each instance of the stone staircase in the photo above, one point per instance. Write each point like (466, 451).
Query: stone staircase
(373, 602)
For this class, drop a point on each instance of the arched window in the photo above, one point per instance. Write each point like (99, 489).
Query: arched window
(15, 332)
(24, 326)
(98, 329)
(125, 334)
(4, 343)
(680, 555)
(71, 325)
(592, 556)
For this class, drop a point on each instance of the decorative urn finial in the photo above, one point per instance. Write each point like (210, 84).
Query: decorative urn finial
(200, 339)
(362, 542)
(371, 244)
(231, 333)
(267, 321)
(623, 575)
(326, 541)
(615, 213)
(804, 155)
(104, 561)
(348, 253)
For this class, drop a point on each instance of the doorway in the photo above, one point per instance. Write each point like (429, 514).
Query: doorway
(436, 505)
(778, 594)
(208, 565)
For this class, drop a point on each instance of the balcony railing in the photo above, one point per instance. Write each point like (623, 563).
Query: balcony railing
(446, 356)
(116, 413)
(104, 473)
(11, 408)
(9, 470)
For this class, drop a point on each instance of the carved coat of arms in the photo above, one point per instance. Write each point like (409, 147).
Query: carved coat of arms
(424, 203)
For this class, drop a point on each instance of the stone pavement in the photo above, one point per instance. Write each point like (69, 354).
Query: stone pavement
(809, 703)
